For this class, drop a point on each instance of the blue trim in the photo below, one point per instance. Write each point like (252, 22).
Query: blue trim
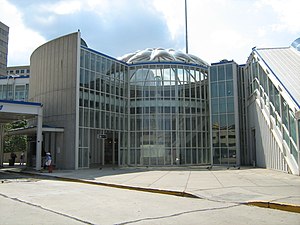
(142, 63)
(277, 78)
(167, 63)
(220, 63)
(107, 56)
(14, 77)
(21, 103)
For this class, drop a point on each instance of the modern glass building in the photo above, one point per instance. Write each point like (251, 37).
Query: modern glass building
(161, 107)
(147, 108)
(168, 108)
(103, 108)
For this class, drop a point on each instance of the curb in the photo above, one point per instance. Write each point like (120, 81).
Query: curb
(263, 204)
(276, 205)
(150, 190)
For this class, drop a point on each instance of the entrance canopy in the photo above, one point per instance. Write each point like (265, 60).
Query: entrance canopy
(11, 111)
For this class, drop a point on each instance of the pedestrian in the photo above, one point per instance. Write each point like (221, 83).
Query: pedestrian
(22, 157)
(48, 162)
(13, 157)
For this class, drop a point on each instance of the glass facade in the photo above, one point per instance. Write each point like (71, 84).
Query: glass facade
(142, 114)
(14, 88)
(168, 115)
(223, 113)
(103, 108)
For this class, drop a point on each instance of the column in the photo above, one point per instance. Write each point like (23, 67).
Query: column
(1, 144)
(39, 138)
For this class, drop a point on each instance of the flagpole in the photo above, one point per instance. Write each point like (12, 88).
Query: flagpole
(186, 30)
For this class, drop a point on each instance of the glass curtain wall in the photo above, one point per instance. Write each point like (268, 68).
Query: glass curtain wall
(102, 110)
(17, 92)
(169, 116)
(155, 114)
(223, 114)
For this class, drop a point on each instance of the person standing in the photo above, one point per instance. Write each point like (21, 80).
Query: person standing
(48, 162)
(22, 157)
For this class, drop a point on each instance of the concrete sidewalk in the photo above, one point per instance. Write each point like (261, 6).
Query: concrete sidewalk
(253, 186)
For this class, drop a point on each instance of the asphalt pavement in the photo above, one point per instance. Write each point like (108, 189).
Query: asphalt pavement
(250, 186)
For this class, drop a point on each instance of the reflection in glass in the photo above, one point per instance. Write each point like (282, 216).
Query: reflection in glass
(221, 89)
(216, 156)
(229, 88)
(213, 74)
(229, 73)
(221, 73)
(223, 117)
(215, 106)
(223, 121)
(231, 121)
(222, 105)
(214, 90)
(230, 105)
(215, 122)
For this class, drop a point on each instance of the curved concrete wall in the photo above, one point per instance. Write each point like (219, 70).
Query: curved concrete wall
(53, 83)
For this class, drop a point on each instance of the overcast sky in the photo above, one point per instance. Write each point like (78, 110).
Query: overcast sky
(217, 29)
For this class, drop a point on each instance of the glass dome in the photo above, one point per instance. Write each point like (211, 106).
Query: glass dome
(161, 55)
(168, 106)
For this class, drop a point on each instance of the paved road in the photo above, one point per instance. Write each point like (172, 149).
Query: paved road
(28, 200)
(219, 184)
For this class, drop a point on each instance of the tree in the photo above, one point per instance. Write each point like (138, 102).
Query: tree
(15, 143)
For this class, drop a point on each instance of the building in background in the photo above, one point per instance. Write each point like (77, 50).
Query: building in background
(14, 87)
(18, 70)
(15, 84)
(4, 31)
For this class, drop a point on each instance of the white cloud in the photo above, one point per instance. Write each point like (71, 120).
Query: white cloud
(217, 29)
(226, 30)
(173, 11)
(220, 29)
(288, 14)
(45, 20)
(63, 7)
(22, 41)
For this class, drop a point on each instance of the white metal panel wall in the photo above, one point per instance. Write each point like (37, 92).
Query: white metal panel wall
(268, 144)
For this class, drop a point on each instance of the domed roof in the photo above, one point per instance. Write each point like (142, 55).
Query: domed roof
(161, 55)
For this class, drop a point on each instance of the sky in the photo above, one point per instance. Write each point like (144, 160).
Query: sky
(217, 29)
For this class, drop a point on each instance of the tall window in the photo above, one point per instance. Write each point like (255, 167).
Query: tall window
(222, 111)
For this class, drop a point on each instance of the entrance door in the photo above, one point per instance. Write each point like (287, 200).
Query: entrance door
(111, 149)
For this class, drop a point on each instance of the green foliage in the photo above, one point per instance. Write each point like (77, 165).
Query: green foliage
(15, 143)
